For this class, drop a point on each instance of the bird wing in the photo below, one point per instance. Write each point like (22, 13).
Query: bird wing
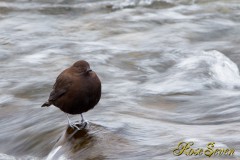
(60, 87)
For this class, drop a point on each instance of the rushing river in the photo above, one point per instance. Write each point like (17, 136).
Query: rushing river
(169, 72)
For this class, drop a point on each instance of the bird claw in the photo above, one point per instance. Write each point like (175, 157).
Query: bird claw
(79, 126)
(85, 124)
(73, 125)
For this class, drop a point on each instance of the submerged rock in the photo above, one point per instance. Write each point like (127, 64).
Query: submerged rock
(91, 142)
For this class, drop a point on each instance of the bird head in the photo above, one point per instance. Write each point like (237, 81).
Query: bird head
(82, 66)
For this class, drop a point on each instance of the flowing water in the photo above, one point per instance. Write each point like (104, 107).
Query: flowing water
(169, 72)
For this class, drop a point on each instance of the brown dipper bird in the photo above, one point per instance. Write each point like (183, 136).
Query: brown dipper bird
(76, 90)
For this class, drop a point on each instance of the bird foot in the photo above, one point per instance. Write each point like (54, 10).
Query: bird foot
(78, 125)
(74, 125)
(85, 124)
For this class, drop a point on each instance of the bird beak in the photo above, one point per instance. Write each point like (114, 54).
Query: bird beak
(89, 70)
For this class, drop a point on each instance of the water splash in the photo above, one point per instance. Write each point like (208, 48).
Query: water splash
(53, 153)
(200, 70)
(222, 69)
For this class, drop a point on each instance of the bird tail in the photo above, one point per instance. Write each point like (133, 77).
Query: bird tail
(46, 104)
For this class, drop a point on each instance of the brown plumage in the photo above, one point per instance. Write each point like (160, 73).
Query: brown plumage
(76, 90)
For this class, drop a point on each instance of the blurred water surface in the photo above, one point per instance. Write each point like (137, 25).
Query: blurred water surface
(169, 72)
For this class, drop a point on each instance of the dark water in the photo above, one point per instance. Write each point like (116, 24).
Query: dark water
(169, 71)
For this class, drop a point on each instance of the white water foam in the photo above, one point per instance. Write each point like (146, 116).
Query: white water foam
(223, 69)
(207, 69)
(52, 154)
(6, 157)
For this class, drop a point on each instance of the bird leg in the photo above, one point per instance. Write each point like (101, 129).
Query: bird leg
(72, 125)
(83, 121)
